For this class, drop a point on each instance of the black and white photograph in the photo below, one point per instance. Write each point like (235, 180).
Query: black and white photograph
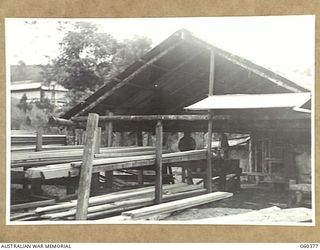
(186, 120)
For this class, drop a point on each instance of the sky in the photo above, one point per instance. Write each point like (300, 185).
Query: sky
(281, 43)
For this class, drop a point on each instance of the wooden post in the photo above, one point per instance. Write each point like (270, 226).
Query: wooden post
(140, 171)
(109, 129)
(98, 142)
(210, 124)
(183, 174)
(74, 136)
(209, 158)
(86, 167)
(251, 153)
(263, 154)
(39, 140)
(158, 187)
(211, 77)
(139, 138)
(95, 183)
(25, 185)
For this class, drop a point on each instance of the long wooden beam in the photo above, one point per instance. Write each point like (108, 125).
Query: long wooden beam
(149, 118)
(55, 121)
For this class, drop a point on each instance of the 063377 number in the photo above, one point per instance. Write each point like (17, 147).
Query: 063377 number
(309, 245)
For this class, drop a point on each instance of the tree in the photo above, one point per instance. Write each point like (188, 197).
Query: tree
(88, 59)
(45, 104)
(128, 52)
(24, 104)
(85, 57)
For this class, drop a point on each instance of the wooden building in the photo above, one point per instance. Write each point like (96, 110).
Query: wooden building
(37, 91)
(183, 70)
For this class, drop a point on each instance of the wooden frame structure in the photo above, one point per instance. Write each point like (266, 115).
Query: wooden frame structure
(104, 103)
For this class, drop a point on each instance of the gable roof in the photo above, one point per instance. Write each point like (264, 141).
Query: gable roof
(175, 74)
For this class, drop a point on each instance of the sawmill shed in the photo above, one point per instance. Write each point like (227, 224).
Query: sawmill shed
(187, 85)
(249, 99)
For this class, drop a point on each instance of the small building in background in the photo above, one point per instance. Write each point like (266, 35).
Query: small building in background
(37, 91)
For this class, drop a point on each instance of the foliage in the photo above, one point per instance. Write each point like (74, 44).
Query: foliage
(88, 59)
(24, 104)
(128, 52)
(85, 57)
(32, 119)
(17, 115)
(23, 72)
(45, 105)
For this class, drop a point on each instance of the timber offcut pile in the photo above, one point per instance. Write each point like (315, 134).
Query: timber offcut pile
(113, 204)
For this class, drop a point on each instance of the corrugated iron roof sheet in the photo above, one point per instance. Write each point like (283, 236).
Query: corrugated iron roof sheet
(251, 101)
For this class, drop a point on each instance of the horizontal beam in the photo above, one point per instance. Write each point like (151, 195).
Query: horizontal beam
(55, 121)
(204, 117)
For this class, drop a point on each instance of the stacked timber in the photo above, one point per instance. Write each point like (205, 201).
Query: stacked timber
(70, 154)
(23, 149)
(30, 139)
(113, 163)
(170, 207)
(103, 206)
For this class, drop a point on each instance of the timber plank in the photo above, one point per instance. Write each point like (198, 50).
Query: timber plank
(177, 205)
(109, 197)
(122, 205)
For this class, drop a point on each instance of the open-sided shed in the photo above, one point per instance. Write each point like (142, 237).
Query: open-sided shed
(176, 74)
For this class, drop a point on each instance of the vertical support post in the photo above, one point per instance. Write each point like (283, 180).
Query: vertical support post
(109, 130)
(86, 167)
(209, 156)
(255, 147)
(140, 171)
(183, 174)
(210, 123)
(74, 136)
(251, 153)
(39, 140)
(95, 183)
(98, 141)
(158, 186)
(263, 153)
(211, 76)
(25, 181)
(83, 138)
(139, 138)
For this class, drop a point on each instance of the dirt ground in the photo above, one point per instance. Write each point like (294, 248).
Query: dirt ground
(246, 200)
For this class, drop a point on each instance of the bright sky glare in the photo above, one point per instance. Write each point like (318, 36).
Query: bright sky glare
(282, 43)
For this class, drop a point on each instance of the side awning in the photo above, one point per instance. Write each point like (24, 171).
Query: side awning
(252, 101)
